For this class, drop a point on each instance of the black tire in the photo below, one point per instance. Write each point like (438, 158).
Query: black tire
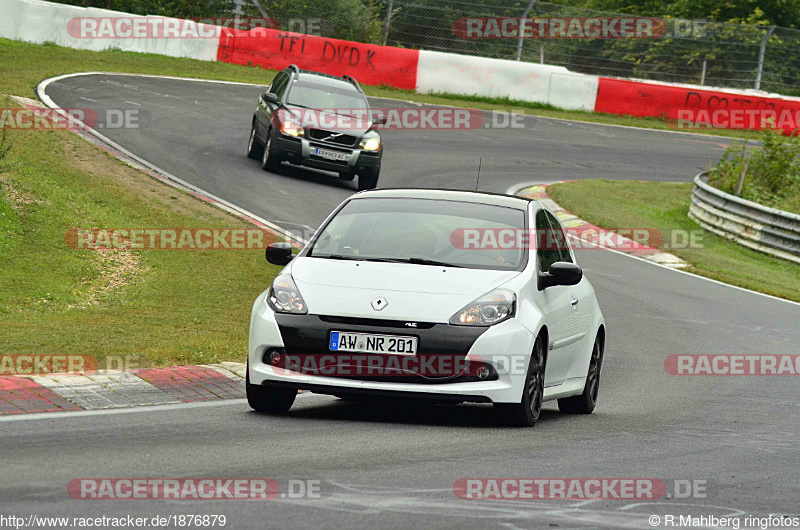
(526, 412)
(269, 157)
(254, 148)
(368, 179)
(585, 403)
(272, 400)
(347, 175)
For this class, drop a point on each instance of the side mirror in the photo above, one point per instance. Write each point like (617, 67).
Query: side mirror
(279, 253)
(379, 120)
(561, 273)
(269, 97)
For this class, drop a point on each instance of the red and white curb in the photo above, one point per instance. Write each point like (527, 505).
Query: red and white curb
(575, 226)
(108, 389)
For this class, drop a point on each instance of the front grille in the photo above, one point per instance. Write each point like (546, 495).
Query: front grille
(345, 140)
(308, 335)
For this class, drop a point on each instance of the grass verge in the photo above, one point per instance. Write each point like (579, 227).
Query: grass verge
(146, 308)
(664, 206)
(24, 65)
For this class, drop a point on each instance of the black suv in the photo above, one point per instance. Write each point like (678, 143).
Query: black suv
(320, 121)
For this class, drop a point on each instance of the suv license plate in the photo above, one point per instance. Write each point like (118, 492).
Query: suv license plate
(330, 155)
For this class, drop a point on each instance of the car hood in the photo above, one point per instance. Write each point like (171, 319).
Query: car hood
(412, 292)
(321, 119)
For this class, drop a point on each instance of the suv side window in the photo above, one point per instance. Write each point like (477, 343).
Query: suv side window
(561, 239)
(545, 251)
(279, 84)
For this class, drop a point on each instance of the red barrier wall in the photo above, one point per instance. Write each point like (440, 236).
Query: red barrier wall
(684, 105)
(368, 63)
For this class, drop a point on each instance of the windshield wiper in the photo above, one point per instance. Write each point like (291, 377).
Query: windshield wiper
(357, 258)
(413, 261)
(424, 261)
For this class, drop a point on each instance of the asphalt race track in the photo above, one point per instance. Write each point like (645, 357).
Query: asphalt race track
(383, 465)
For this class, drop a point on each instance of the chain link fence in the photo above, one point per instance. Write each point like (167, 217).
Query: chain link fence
(691, 51)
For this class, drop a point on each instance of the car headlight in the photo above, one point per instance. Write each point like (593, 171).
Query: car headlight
(491, 308)
(370, 144)
(284, 297)
(292, 129)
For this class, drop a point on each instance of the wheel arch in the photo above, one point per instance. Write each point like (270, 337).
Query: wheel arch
(545, 335)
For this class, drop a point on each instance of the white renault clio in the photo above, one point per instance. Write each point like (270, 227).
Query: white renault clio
(449, 296)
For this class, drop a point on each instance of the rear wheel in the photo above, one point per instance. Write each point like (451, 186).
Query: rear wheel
(253, 147)
(368, 179)
(585, 403)
(269, 158)
(527, 411)
(273, 400)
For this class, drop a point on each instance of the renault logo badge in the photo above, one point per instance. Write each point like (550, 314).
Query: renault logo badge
(379, 303)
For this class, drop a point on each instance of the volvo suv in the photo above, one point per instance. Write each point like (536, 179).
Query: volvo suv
(320, 121)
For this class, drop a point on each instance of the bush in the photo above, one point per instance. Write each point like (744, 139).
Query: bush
(773, 172)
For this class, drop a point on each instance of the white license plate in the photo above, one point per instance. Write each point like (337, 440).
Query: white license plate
(371, 343)
(330, 155)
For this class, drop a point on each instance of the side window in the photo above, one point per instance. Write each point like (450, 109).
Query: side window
(279, 84)
(560, 239)
(546, 251)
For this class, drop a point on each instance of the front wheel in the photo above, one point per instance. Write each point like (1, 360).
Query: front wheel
(368, 179)
(268, 399)
(526, 412)
(253, 147)
(269, 159)
(585, 403)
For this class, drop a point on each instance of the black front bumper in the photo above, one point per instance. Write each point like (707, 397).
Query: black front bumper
(443, 346)
(291, 149)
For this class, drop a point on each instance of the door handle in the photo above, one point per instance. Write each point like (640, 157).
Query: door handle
(574, 301)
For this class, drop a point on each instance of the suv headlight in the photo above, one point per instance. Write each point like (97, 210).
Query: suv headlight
(491, 308)
(284, 297)
(370, 144)
(292, 129)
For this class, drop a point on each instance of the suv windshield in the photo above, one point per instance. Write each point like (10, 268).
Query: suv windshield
(423, 232)
(324, 96)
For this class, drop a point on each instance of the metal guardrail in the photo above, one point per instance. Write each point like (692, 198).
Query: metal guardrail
(750, 224)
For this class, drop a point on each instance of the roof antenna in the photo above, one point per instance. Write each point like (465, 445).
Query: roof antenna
(480, 160)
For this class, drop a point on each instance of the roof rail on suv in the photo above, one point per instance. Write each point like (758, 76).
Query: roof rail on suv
(353, 82)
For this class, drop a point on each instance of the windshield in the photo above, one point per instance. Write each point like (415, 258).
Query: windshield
(320, 96)
(420, 231)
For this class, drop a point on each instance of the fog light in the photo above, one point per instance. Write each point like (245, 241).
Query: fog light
(484, 372)
(274, 357)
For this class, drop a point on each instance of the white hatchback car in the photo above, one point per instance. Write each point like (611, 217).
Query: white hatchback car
(449, 296)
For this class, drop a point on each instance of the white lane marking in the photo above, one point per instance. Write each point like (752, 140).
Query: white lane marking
(518, 187)
(105, 389)
(87, 99)
(227, 371)
(131, 410)
(133, 103)
(170, 178)
(105, 412)
(568, 120)
(144, 408)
